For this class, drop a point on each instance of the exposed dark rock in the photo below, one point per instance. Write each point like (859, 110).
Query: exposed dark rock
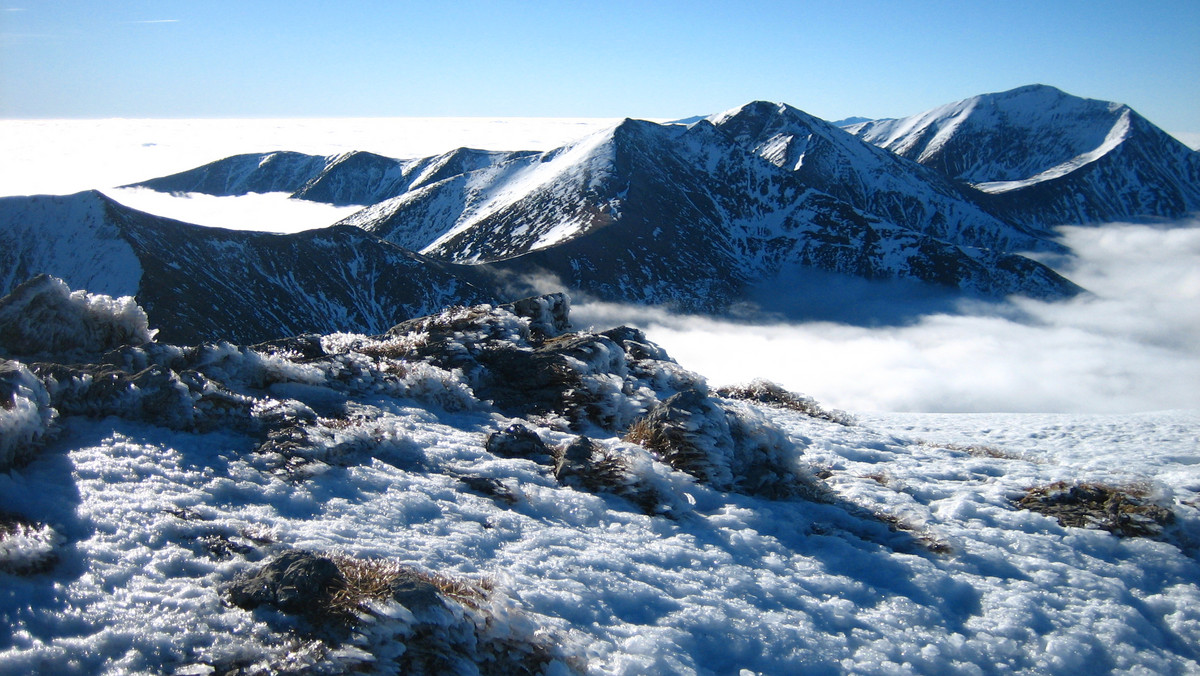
(584, 377)
(295, 582)
(518, 441)
(492, 488)
(548, 315)
(586, 466)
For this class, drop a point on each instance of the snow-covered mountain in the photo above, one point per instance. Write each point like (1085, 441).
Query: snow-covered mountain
(691, 215)
(880, 183)
(354, 178)
(208, 283)
(1045, 157)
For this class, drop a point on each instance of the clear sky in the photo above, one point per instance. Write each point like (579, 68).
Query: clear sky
(657, 59)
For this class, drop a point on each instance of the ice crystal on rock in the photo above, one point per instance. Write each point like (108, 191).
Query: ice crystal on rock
(26, 416)
(43, 316)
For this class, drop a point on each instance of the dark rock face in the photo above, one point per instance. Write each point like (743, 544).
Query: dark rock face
(518, 441)
(294, 582)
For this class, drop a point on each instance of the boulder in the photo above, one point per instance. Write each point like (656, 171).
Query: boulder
(295, 582)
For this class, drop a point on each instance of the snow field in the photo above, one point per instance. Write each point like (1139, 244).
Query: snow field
(731, 582)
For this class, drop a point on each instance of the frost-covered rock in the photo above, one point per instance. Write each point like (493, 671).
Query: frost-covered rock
(526, 366)
(729, 449)
(26, 416)
(766, 392)
(44, 316)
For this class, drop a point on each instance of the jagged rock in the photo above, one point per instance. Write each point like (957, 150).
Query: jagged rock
(155, 393)
(574, 464)
(518, 441)
(294, 582)
(586, 466)
(584, 377)
(548, 315)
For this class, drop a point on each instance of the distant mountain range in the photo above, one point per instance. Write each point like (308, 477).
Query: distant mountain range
(693, 215)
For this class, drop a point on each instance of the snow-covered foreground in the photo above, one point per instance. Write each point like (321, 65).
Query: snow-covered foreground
(916, 561)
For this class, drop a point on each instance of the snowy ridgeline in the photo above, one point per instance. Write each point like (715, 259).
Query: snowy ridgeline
(486, 491)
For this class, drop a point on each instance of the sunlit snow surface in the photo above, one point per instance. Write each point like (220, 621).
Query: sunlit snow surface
(737, 583)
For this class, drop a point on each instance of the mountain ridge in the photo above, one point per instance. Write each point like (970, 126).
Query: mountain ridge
(199, 283)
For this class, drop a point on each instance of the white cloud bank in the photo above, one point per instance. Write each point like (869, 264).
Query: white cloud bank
(1132, 344)
(270, 212)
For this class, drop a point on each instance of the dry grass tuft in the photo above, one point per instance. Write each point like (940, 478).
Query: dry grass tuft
(1121, 510)
(670, 445)
(920, 536)
(976, 450)
(766, 392)
(374, 580)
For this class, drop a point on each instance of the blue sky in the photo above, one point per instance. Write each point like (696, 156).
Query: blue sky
(303, 58)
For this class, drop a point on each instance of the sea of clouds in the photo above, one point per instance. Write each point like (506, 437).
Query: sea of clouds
(1131, 343)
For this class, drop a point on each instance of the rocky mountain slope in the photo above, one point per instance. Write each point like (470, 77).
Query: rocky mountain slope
(1044, 157)
(487, 491)
(207, 283)
(689, 216)
(704, 216)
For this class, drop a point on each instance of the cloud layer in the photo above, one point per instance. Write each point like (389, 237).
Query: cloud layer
(1132, 344)
(271, 212)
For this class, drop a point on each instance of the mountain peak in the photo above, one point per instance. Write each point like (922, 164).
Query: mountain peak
(1035, 145)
